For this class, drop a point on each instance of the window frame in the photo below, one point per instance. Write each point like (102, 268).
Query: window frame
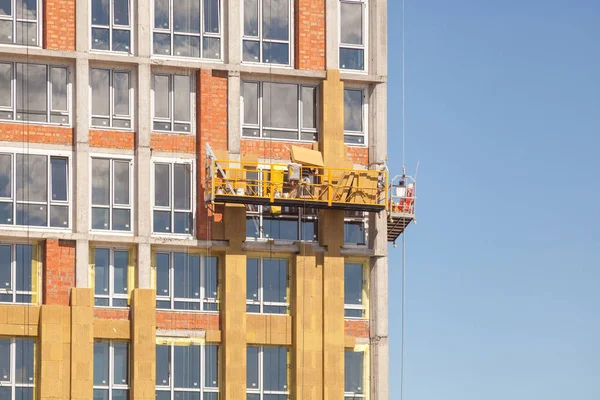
(13, 274)
(261, 303)
(14, 19)
(50, 111)
(364, 373)
(365, 32)
(300, 218)
(363, 307)
(12, 382)
(131, 207)
(111, 26)
(353, 219)
(259, 38)
(171, 162)
(111, 100)
(261, 373)
(171, 298)
(111, 269)
(299, 113)
(60, 154)
(203, 389)
(201, 35)
(111, 386)
(365, 120)
(171, 120)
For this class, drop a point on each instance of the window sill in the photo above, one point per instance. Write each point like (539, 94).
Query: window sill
(279, 140)
(188, 311)
(183, 58)
(28, 228)
(109, 128)
(20, 122)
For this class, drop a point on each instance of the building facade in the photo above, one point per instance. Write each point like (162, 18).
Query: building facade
(118, 281)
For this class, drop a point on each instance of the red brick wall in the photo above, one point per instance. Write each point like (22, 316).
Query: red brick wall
(357, 328)
(59, 271)
(358, 155)
(179, 320)
(36, 133)
(173, 142)
(212, 128)
(59, 24)
(310, 34)
(110, 313)
(112, 139)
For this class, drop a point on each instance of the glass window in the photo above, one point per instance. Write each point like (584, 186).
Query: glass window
(41, 190)
(267, 286)
(355, 230)
(40, 92)
(279, 111)
(267, 31)
(173, 103)
(110, 277)
(16, 277)
(186, 282)
(111, 194)
(187, 28)
(267, 373)
(111, 98)
(111, 25)
(111, 370)
(172, 212)
(352, 34)
(17, 368)
(20, 22)
(354, 290)
(187, 372)
(354, 130)
(353, 374)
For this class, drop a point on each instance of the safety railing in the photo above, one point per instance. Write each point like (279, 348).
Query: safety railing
(294, 185)
(402, 196)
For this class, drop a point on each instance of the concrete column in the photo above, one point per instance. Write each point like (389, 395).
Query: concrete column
(143, 344)
(307, 301)
(234, 124)
(82, 27)
(332, 52)
(378, 125)
(378, 40)
(143, 28)
(82, 343)
(379, 328)
(234, 26)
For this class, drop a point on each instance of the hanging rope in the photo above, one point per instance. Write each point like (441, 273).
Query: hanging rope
(403, 300)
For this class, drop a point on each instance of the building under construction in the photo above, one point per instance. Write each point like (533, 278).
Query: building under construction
(194, 200)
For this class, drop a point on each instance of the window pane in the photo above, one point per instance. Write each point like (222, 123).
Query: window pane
(5, 175)
(182, 97)
(210, 277)
(162, 187)
(100, 181)
(100, 218)
(121, 189)
(162, 222)
(252, 279)
(187, 275)
(280, 228)
(121, 40)
(351, 24)
(5, 84)
(162, 43)
(32, 88)
(182, 222)
(161, 14)
(276, 17)
(251, 51)
(24, 257)
(352, 59)
(211, 374)
(120, 394)
(32, 177)
(186, 366)
(353, 372)
(353, 110)
(5, 274)
(5, 7)
(162, 274)
(162, 365)
(5, 361)
(120, 364)
(121, 93)
(120, 272)
(353, 284)
(100, 79)
(182, 186)
(162, 96)
(100, 39)
(274, 280)
(121, 12)
(24, 361)
(58, 167)
(309, 107)
(6, 27)
(100, 394)
(100, 12)
(276, 53)
(275, 368)
(101, 363)
(211, 16)
(250, 93)
(252, 367)
(186, 46)
(59, 89)
(121, 219)
(251, 18)
(101, 275)
(32, 214)
(186, 16)
(280, 105)
(211, 47)
(354, 232)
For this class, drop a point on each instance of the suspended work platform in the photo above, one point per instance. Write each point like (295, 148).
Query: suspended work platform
(401, 207)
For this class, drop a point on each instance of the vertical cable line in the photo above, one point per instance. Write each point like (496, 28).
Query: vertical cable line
(403, 300)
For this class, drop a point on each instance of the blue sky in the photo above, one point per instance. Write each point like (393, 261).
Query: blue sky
(503, 267)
